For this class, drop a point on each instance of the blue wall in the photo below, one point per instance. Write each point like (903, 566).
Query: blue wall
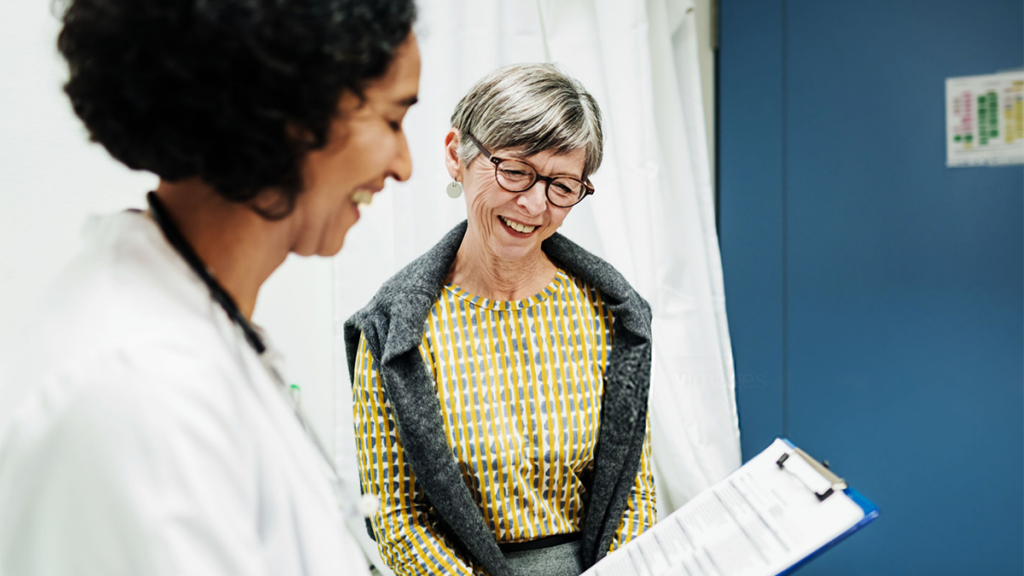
(876, 297)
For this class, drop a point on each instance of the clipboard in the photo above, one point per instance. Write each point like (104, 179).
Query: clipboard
(770, 517)
(869, 508)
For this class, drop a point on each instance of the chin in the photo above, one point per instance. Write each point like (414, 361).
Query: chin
(332, 249)
(326, 247)
(335, 239)
(515, 252)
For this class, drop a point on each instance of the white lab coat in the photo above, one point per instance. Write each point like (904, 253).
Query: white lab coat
(153, 441)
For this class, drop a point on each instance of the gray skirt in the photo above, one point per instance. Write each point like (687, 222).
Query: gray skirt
(559, 560)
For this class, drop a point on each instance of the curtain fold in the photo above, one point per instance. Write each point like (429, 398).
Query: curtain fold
(652, 216)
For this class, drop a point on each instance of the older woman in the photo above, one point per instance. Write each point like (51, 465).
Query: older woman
(158, 437)
(501, 380)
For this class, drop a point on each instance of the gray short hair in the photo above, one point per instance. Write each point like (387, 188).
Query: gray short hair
(531, 108)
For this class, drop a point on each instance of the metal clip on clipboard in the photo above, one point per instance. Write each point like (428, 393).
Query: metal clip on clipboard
(816, 477)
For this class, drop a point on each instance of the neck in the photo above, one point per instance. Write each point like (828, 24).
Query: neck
(483, 273)
(239, 247)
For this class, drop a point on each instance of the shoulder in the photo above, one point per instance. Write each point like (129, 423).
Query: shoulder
(587, 266)
(121, 319)
(622, 299)
(392, 322)
(150, 389)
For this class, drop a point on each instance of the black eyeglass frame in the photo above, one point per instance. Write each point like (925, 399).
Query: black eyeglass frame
(588, 188)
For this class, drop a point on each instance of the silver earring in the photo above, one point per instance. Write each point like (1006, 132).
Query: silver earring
(454, 189)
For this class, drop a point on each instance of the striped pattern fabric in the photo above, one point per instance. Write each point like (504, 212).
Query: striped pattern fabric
(520, 385)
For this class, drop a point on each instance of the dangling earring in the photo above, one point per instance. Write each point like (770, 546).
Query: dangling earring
(454, 189)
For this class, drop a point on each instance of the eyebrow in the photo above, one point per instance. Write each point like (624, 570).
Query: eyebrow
(408, 101)
(556, 175)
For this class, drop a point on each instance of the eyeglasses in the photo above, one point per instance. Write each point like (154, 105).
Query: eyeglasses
(518, 176)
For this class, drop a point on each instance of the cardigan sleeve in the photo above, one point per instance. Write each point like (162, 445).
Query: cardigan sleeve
(406, 538)
(640, 513)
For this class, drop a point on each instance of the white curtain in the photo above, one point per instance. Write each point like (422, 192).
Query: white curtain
(652, 216)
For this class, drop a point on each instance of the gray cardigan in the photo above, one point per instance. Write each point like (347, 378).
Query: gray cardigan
(393, 324)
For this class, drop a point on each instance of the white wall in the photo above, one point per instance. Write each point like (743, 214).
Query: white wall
(51, 178)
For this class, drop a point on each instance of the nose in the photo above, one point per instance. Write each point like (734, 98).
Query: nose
(401, 165)
(534, 201)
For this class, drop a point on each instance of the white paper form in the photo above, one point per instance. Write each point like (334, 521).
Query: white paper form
(985, 120)
(758, 521)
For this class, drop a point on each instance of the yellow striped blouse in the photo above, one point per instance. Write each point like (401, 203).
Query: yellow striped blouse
(520, 385)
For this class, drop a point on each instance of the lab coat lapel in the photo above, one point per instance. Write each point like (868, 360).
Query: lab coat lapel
(305, 459)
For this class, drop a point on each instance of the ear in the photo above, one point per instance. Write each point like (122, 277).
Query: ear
(451, 154)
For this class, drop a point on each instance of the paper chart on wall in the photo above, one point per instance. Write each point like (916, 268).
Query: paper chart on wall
(985, 120)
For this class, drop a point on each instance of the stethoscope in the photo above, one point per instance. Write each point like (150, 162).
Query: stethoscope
(219, 295)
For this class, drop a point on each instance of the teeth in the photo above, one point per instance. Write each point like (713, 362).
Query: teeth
(517, 226)
(363, 198)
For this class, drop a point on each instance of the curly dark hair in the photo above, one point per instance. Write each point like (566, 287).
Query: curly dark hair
(235, 92)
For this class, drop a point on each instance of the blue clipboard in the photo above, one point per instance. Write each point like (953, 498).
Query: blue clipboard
(870, 513)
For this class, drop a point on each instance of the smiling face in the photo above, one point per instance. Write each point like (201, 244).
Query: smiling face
(366, 146)
(512, 225)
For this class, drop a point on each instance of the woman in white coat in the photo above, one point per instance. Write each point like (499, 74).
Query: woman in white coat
(158, 437)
